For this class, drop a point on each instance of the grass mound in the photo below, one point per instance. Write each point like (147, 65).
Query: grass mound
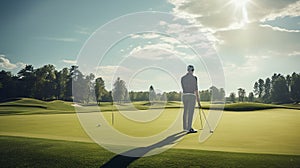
(25, 102)
(34, 106)
(251, 106)
(247, 106)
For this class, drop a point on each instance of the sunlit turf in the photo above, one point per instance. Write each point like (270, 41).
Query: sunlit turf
(28, 152)
(269, 131)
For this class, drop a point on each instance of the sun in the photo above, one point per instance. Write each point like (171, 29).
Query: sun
(240, 3)
(241, 9)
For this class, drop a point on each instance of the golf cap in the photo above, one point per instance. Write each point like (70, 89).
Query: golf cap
(190, 68)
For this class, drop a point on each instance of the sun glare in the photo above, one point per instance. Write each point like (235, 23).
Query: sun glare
(240, 3)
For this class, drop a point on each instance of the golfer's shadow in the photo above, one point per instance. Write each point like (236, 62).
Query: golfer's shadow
(123, 160)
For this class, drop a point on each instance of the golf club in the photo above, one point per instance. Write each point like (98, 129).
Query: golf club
(210, 130)
(200, 119)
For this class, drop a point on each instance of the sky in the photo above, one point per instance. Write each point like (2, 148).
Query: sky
(242, 40)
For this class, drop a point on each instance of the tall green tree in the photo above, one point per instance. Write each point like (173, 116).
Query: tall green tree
(288, 82)
(214, 92)
(241, 94)
(295, 87)
(256, 89)
(62, 80)
(8, 84)
(280, 93)
(26, 81)
(99, 89)
(80, 88)
(232, 97)
(267, 91)
(90, 88)
(221, 94)
(261, 87)
(251, 97)
(45, 83)
(119, 90)
(205, 95)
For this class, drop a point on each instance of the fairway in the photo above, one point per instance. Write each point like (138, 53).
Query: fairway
(41, 131)
(273, 131)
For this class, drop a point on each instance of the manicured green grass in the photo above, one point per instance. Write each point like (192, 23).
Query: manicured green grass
(28, 152)
(264, 131)
(269, 131)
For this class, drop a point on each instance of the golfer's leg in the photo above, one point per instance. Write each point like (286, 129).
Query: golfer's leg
(185, 112)
(192, 101)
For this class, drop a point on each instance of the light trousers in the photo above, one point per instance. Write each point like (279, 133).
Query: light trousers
(189, 101)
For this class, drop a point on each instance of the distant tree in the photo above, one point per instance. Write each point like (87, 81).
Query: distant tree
(256, 89)
(173, 96)
(119, 90)
(26, 81)
(279, 93)
(295, 87)
(288, 82)
(267, 91)
(80, 88)
(221, 94)
(61, 80)
(214, 92)
(251, 97)
(8, 87)
(45, 83)
(241, 94)
(126, 96)
(232, 97)
(99, 89)
(68, 95)
(261, 87)
(107, 96)
(90, 88)
(164, 97)
(274, 77)
(205, 95)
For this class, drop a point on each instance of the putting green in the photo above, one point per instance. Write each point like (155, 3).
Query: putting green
(265, 131)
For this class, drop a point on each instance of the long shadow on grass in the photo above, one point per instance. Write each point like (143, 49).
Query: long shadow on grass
(123, 160)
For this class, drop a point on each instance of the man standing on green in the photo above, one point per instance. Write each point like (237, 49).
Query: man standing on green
(190, 95)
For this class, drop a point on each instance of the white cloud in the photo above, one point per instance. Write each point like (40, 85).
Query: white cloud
(256, 39)
(291, 10)
(245, 46)
(149, 35)
(152, 52)
(59, 39)
(83, 30)
(110, 72)
(159, 51)
(155, 36)
(6, 64)
(219, 15)
(74, 62)
(238, 74)
(294, 53)
(280, 29)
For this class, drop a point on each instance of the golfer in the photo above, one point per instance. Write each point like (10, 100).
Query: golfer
(189, 97)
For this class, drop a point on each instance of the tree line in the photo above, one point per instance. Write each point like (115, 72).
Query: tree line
(47, 83)
(277, 89)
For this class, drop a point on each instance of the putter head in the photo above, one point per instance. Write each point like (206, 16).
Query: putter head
(211, 131)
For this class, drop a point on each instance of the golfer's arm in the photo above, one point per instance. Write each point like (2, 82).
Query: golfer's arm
(197, 97)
